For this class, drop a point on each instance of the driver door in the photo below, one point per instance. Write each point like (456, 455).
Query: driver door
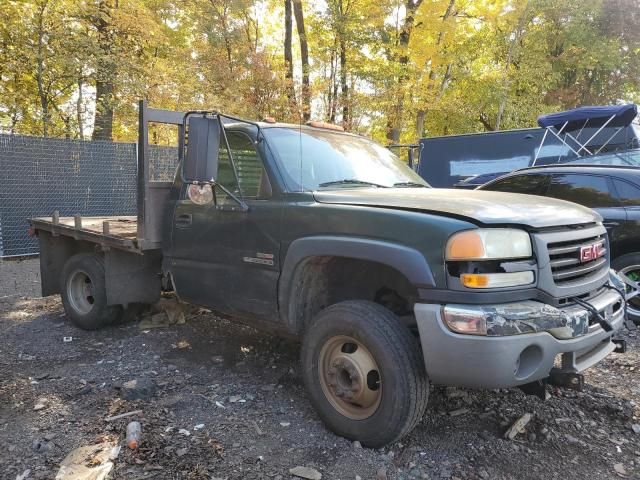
(222, 256)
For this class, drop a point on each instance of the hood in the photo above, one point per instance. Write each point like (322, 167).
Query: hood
(476, 205)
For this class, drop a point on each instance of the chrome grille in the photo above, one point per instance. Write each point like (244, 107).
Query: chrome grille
(566, 264)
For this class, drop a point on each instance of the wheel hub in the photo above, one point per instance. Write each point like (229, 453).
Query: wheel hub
(350, 377)
(80, 292)
(345, 379)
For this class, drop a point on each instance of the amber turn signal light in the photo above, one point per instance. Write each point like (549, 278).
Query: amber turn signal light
(496, 280)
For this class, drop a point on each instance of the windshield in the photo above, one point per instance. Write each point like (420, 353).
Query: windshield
(315, 159)
(626, 158)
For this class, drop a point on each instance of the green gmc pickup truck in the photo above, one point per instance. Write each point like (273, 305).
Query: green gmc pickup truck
(327, 237)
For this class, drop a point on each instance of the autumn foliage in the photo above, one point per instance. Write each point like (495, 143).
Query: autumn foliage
(396, 70)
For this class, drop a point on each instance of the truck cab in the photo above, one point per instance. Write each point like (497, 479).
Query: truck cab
(327, 237)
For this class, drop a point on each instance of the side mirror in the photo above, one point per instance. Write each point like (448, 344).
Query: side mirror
(202, 148)
(200, 194)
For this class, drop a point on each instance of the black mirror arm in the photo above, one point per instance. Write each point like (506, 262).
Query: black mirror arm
(243, 206)
(239, 200)
(231, 160)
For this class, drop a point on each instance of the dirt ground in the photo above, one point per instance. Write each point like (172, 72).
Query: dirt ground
(229, 404)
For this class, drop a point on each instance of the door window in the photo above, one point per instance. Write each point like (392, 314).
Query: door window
(533, 184)
(252, 179)
(628, 194)
(591, 191)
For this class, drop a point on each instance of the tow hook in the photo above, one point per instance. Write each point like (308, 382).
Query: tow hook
(621, 345)
(556, 378)
(570, 380)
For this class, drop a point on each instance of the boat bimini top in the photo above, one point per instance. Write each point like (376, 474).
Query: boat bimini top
(567, 126)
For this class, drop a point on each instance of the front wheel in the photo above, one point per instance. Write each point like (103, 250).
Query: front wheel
(629, 266)
(83, 291)
(364, 373)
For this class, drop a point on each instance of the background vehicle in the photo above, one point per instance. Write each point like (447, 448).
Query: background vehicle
(614, 192)
(624, 158)
(329, 238)
(468, 161)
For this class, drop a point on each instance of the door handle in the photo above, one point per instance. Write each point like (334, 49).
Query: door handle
(184, 220)
(610, 224)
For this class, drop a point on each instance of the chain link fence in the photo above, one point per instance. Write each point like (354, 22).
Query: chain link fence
(39, 175)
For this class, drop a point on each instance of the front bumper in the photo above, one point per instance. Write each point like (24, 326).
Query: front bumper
(506, 361)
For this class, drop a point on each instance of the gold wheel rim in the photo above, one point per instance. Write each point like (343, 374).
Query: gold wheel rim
(350, 377)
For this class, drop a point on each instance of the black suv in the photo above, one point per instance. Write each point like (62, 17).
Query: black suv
(625, 158)
(613, 191)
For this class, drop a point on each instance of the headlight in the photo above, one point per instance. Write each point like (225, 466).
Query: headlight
(478, 258)
(489, 244)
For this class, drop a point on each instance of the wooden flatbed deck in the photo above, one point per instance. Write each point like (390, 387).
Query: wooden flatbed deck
(113, 231)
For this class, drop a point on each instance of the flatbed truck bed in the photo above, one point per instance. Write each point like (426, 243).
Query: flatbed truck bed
(132, 274)
(109, 231)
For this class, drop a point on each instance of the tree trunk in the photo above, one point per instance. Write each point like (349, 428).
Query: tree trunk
(333, 84)
(422, 113)
(505, 87)
(68, 131)
(334, 105)
(42, 93)
(79, 109)
(483, 118)
(344, 85)
(288, 53)
(331, 98)
(222, 10)
(394, 122)
(420, 116)
(304, 57)
(103, 123)
(15, 115)
(105, 71)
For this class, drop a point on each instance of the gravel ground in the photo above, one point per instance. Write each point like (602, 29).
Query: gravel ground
(19, 278)
(243, 391)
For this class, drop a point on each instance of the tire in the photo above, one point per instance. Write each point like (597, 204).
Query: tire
(629, 265)
(84, 295)
(338, 347)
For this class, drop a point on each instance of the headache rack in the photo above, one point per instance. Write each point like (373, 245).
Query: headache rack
(131, 233)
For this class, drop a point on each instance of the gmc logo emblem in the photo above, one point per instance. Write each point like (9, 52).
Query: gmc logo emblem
(591, 252)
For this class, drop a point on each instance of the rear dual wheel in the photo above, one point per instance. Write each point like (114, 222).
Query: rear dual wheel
(364, 373)
(83, 292)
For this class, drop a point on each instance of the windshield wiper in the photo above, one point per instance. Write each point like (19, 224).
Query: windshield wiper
(351, 181)
(409, 185)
